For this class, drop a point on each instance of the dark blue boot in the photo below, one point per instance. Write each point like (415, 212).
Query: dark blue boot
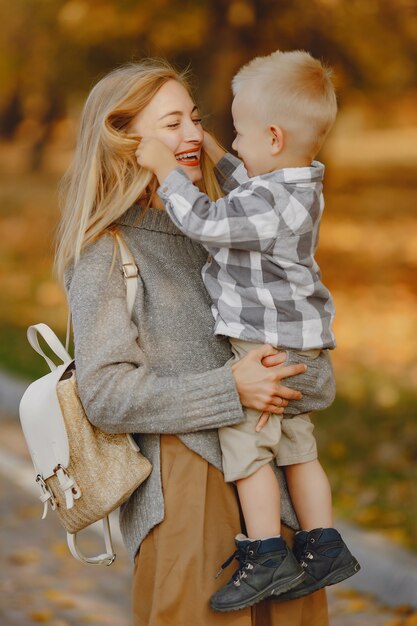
(265, 567)
(325, 558)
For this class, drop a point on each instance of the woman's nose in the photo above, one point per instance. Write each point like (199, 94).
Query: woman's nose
(193, 132)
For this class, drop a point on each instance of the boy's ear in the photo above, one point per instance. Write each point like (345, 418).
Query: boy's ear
(276, 139)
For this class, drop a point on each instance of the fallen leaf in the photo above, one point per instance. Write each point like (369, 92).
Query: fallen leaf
(42, 615)
(60, 599)
(24, 557)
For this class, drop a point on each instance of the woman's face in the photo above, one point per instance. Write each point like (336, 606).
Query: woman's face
(172, 117)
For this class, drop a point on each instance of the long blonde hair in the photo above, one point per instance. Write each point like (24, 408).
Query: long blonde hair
(104, 179)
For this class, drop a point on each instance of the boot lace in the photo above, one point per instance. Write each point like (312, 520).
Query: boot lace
(241, 554)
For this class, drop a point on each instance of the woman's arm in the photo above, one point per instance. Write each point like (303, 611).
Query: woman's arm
(119, 390)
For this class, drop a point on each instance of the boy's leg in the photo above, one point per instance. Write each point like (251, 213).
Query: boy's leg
(259, 496)
(310, 493)
(246, 457)
(266, 564)
(318, 547)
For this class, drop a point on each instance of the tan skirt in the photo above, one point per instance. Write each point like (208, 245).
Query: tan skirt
(175, 568)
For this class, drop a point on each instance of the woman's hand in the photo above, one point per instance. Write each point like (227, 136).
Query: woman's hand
(258, 379)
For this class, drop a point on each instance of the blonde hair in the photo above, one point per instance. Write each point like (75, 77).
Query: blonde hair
(294, 91)
(104, 179)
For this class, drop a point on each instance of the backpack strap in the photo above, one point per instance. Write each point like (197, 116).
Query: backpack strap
(106, 558)
(130, 272)
(52, 341)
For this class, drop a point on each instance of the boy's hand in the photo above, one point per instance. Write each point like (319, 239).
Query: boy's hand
(213, 149)
(156, 157)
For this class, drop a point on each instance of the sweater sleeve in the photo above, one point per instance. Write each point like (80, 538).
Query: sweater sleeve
(117, 387)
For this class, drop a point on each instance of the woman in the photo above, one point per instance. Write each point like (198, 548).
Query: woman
(163, 373)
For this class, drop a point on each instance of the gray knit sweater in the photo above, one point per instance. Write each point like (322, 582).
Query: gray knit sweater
(163, 371)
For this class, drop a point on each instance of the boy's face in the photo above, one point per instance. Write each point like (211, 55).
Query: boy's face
(252, 138)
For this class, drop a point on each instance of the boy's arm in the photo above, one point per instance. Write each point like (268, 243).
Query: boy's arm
(230, 171)
(247, 220)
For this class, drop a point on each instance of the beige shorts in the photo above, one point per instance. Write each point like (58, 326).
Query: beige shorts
(286, 440)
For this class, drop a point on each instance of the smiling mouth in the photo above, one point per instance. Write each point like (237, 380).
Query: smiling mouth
(190, 158)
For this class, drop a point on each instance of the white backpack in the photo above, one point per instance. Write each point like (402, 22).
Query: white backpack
(82, 472)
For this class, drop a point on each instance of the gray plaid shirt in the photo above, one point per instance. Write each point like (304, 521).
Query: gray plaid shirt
(262, 277)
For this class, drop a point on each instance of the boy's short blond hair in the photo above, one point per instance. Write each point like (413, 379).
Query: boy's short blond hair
(294, 91)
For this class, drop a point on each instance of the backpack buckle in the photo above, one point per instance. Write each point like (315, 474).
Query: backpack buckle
(46, 496)
(130, 270)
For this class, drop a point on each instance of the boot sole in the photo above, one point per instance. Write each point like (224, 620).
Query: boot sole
(274, 588)
(331, 579)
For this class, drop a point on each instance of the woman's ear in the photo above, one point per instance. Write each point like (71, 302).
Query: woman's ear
(276, 139)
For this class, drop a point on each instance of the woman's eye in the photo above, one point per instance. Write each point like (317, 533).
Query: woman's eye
(197, 120)
(175, 125)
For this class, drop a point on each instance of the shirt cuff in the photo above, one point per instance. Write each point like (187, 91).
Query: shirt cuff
(173, 183)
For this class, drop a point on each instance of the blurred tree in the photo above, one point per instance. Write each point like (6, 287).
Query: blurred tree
(52, 51)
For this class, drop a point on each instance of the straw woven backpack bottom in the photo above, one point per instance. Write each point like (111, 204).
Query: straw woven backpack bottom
(82, 472)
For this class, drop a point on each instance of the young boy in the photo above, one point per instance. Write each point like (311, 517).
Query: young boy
(266, 287)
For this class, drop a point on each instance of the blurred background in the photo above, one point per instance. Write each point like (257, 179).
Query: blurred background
(53, 51)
